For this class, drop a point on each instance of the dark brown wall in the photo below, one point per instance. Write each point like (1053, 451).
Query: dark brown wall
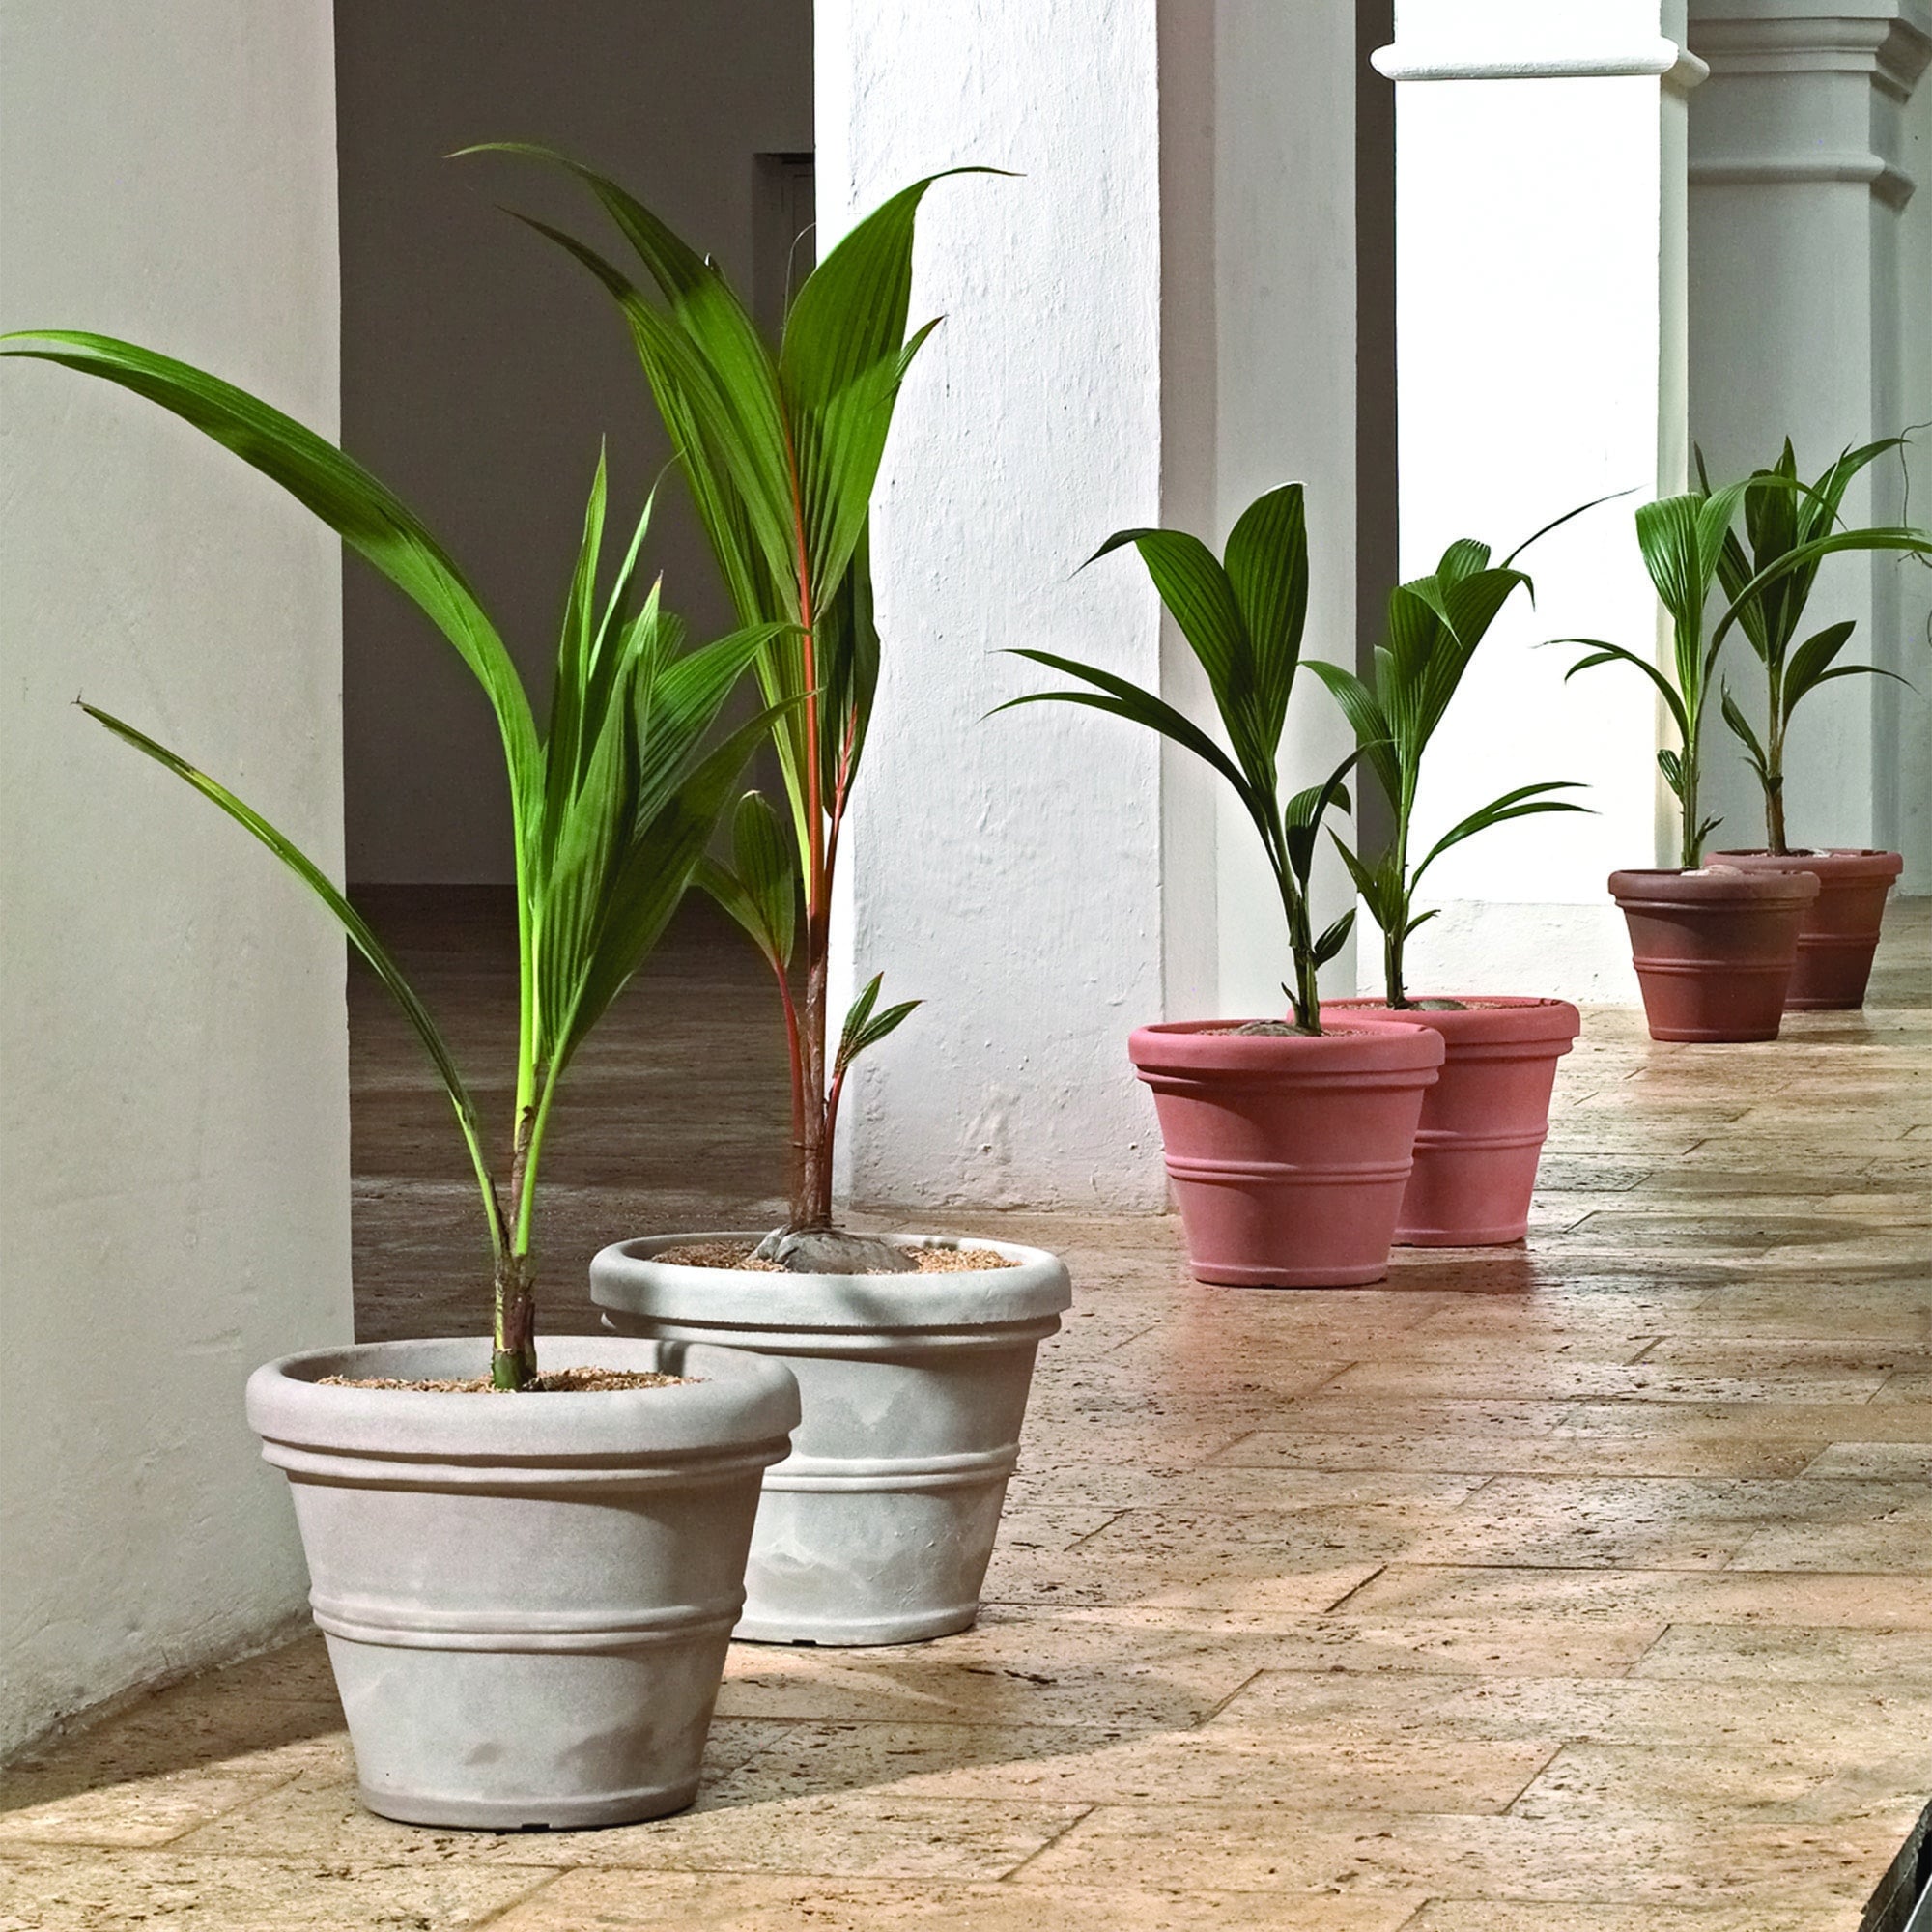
(479, 368)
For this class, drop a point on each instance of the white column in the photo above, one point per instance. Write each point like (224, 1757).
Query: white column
(1286, 335)
(172, 1031)
(1540, 341)
(1798, 178)
(1151, 324)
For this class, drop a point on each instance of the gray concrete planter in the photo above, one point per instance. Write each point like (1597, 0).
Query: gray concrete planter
(878, 1526)
(527, 1598)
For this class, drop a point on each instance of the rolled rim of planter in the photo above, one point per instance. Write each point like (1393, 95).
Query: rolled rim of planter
(1674, 888)
(1480, 1019)
(1174, 1050)
(738, 1400)
(1826, 862)
(793, 1307)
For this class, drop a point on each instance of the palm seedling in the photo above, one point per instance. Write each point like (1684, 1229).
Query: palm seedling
(612, 808)
(1685, 541)
(1782, 516)
(780, 448)
(1682, 539)
(1435, 625)
(1242, 615)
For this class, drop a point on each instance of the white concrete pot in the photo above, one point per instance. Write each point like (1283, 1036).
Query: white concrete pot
(527, 1598)
(878, 1526)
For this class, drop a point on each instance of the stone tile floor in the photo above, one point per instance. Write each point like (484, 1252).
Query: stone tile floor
(1586, 1586)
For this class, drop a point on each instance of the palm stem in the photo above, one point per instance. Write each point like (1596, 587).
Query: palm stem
(1395, 940)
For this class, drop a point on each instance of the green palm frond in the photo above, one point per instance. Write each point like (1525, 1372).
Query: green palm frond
(1243, 615)
(781, 445)
(1435, 626)
(612, 808)
(1768, 580)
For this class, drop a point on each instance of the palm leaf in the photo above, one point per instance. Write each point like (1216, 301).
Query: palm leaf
(351, 922)
(1811, 661)
(759, 888)
(1196, 593)
(1524, 802)
(1893, 536)
(1602, 653)
(1123, 698)
(1741, 729)
(645, 888)
(863, 1028)
(1267, 569)
(367, 516)
(1368, 721)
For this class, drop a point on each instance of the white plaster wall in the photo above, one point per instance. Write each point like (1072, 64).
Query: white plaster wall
(1009, 871)
(172, 1033)
(1286, 328)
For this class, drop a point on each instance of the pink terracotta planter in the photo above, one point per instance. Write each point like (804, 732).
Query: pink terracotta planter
(1288, 1155)
(1714, 949)
(1484, 1122)
(1840, 935)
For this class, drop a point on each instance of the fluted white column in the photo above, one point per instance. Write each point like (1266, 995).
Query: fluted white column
(1540, 343)
(1800, 177)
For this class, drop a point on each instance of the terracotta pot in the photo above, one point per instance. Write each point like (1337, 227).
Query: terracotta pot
(1714, 949)
(1840, 935)
(1484, 1120)
(1288, 1153)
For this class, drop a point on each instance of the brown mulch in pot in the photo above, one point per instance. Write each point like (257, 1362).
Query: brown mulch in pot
(738, 1256)
(559, 1382)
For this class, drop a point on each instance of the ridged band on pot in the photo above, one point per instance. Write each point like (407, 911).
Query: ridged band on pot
(1486, 1119)
(1714, 948)
(1840, 933)
(527, 1598)
(879, 1525)
(1288, 1155)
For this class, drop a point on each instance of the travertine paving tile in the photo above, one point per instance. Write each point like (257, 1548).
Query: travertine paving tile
(1688, 1597)
(1013, 1667)
(1885, 1462)
(1555, 1453)
(1704, 1653)
(860, 1833)
(1545, 1379)
(853, 1832)
(1664, 1854)
(1782, 1783)
(1730, 1421)
(163, 1768)
(630, 1901)
(1678, 1525)
(1670, 1715)
(48, 1891)
(1578, 1914)
(1076, 1766)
